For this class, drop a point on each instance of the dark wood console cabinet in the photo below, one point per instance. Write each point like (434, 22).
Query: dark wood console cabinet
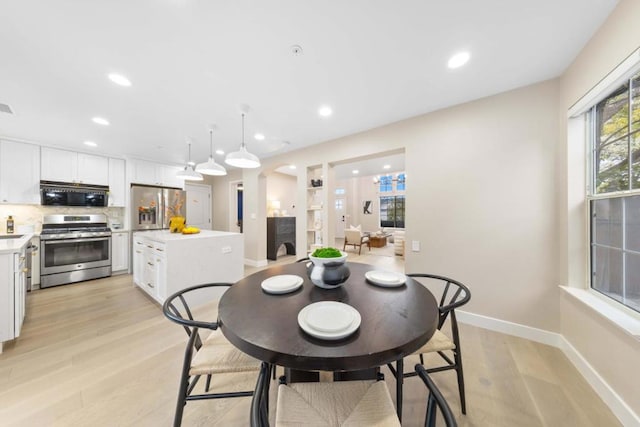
(281, 231)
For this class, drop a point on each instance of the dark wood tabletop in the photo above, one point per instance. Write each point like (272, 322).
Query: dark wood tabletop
(395, 321)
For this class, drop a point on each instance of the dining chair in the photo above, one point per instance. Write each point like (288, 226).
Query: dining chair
(356, 238)
(340, 403)
(213, 355)
(453, 294)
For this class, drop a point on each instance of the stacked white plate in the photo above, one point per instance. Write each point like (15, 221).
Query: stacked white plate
(282, 284)
(387, 279)
(329, 320)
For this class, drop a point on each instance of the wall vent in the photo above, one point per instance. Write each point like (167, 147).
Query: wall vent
(4, 108)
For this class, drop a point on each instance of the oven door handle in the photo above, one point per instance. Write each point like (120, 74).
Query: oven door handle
(88, 239)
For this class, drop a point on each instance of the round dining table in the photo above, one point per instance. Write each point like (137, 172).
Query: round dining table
(395, 321)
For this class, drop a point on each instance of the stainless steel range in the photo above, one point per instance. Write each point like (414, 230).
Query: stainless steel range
(74, 248)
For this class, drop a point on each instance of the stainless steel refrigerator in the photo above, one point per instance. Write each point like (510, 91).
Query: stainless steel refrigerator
(153, 207)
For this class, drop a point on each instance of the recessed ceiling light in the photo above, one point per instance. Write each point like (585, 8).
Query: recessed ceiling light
(220, 152)
(259, 136)
(386, 167)
(458, 60)
(325, 111)
(90, 144)
(101, 121)
(119, 79)
(355, 171)
(292, 166)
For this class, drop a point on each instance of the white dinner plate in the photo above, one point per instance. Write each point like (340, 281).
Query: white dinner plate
(282, 284)
(329, 320)
(388, 279)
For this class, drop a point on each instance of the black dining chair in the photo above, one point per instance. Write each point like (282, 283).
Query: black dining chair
(453, 294)
(365, 403)
(208, 356)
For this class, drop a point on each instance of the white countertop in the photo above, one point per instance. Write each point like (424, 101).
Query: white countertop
(166, 235)
(8, 246)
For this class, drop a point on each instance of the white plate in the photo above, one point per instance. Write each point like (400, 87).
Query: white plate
(389, 279)
(282, 284)
(329, 320)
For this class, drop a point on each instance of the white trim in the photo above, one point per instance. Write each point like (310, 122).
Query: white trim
(510, 328)
(622, 72)
(613, 311)
(256, 263)
(620, 409)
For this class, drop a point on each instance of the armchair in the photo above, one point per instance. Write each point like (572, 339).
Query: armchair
(356, 238)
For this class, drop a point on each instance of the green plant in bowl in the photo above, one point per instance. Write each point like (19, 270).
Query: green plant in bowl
(326, 253)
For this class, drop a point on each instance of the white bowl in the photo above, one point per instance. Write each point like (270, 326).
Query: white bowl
(323, 261)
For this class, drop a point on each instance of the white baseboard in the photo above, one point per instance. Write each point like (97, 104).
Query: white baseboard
(620, 409)
(256, 263)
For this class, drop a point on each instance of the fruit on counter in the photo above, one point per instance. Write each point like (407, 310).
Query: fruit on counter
(176, 224)
(190, 230)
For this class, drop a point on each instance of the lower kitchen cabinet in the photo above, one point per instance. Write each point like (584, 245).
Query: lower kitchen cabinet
(13, 293)
(119, 252)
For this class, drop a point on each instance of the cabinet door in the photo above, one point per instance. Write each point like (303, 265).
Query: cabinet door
(19, 173)
(117, 186)
(58, 165)
(161, 277)
(144, 173)
(138, 261)
(92, 169)
(120, 251)
(149, 275)
(19, 282)
(168, 176)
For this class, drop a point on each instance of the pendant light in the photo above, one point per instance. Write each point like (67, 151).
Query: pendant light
(188, 174)
(210, 167)
(242, 158)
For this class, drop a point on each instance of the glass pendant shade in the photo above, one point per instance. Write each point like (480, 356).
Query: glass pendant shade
(210, 167)
(242, 158)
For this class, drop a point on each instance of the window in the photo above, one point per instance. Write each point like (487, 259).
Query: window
(392, 211)
(614, 198)
(386, 184)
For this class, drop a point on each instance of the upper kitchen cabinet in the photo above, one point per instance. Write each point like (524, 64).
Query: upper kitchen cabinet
(19, 173)
(69, 166)
(117, 183)
(143, 172)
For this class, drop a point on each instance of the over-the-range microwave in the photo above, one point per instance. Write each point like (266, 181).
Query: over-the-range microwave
(70, 194)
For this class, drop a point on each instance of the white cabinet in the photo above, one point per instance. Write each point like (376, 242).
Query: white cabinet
(117, 186)
(120, 251)
(12, 292)
(19, 173)
(149, 267)
(138, 260)
(143, 172)
(69, 166)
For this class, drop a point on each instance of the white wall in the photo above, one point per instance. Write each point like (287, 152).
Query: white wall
(282, 187)
(612, 353)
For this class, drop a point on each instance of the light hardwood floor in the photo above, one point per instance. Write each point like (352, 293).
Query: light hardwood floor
(100, 353)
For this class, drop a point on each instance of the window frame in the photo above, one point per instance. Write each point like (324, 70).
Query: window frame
(592, 195)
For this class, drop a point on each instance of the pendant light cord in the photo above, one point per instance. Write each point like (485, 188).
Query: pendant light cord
(211, 143)
(243, 129)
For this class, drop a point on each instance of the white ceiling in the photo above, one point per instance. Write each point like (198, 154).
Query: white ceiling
(193, 62)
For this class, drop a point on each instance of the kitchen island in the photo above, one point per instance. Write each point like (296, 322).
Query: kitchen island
(164, 262)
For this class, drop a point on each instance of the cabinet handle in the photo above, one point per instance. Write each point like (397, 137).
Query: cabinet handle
(138, 252)
(150, 263)
(160, 249)
(150, 285)
(149, 246)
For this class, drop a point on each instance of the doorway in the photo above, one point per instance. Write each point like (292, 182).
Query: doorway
(236, 206)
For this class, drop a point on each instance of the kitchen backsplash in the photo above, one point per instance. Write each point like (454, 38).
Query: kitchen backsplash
(32, 214)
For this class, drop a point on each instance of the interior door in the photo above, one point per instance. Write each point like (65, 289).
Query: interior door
(199, 206)
(341, 216)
